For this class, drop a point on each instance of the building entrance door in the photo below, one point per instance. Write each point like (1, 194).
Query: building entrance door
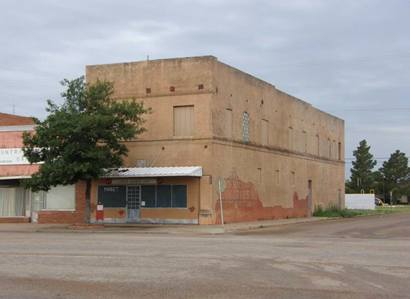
(133, 203)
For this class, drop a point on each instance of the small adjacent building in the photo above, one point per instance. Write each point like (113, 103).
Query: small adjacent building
(62, 204)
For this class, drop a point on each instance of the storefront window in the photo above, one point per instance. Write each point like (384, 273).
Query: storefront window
(60, 198)
(164, 196)
(12, 202)
(148, 196)
(179, 198)
(112, 196)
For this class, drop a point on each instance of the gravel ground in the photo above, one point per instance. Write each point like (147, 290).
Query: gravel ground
(364, 257)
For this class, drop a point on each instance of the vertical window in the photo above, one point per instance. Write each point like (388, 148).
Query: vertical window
(179, 196)
(305, 141)
(184, 121)
(245, 127)
(148, 196)
(329, 144)
(334, 150)
(290, 138)
(339, 151)
(228, 123)
(264, 132)
(277, 176)
(292, 178)
(318, 145)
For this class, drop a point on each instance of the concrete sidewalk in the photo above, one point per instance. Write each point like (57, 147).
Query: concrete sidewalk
(153, 228)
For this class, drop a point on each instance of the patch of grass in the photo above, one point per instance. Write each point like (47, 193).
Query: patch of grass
(334, 211)
(394, 209)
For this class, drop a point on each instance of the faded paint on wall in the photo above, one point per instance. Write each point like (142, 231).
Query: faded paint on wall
(241, 202)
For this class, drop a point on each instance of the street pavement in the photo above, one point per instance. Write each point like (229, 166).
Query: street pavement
(363, 257)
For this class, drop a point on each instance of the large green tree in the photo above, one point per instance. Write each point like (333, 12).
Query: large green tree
(395, 175)
(362, 176)
(83, 137)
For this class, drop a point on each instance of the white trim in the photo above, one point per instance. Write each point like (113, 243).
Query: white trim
(152, 172)
(58, 210)
(14, 177)
(20, 128)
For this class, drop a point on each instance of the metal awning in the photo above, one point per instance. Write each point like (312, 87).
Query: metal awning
(152, 172)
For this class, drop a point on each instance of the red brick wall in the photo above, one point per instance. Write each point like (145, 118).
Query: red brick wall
(70, 217)
(14, 219)
(14, 140)
(14, 120)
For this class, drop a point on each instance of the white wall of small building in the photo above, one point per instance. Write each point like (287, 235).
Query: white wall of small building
(360, 201)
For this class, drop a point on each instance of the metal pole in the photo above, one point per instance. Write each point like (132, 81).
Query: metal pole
(220, 202)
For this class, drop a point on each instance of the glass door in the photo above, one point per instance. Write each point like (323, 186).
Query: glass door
(133, 203)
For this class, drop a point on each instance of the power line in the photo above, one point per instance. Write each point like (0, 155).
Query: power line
(379, 158)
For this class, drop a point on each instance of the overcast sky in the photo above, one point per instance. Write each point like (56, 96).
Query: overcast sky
(349, 58)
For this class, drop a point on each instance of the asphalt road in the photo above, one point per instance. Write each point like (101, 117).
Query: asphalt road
(366, 257)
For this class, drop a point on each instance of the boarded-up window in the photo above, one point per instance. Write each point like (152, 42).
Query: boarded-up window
(184, 121)
(290, 138)
(329, 145)
(293, 178)
(228, 123)
(264, 132)
(305, 141)
(277, 177)
(245, 127)
(339, 151)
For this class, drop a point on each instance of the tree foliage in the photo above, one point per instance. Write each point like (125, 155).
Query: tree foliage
(362, 177)
(394, 174)
(82, 137)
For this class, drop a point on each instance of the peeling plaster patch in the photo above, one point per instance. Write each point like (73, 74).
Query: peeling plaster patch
(241, 202)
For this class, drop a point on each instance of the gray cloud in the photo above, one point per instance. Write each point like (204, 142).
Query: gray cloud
(350, 58)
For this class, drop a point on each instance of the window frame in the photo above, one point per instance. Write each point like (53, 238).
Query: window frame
(192, 129)
(171, 193)
(245, 127)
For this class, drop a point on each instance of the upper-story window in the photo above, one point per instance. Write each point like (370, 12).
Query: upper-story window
(339, 151)
(184, 121)
(228, 123)
(329, 145)
(245, 127)
(264, 132)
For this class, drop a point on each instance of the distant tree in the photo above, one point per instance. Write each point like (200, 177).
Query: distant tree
(83, 137)
(362, 176)
(395, 175)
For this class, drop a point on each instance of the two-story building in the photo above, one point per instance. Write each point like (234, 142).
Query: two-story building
(217, 138)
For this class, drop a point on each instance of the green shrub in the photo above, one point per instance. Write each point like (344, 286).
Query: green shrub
(334, 211)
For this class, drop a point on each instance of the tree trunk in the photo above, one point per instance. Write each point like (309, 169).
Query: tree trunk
(87, 210)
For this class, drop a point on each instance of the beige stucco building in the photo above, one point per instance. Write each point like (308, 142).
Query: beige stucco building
(276, 156)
